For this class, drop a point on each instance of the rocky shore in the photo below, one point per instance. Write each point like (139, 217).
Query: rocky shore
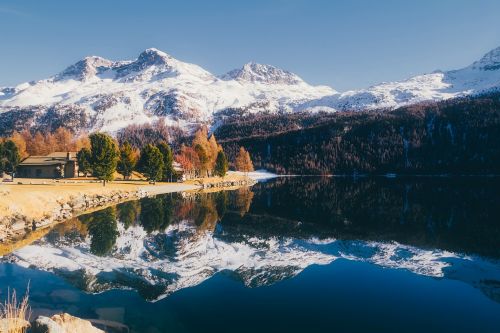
(59, 323)
(28, 207)
(19, 224)
(225, 183)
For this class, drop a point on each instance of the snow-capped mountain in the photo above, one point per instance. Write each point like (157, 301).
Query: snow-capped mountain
(100, 94)
(253, 72)
(481, 76)
(112, 95)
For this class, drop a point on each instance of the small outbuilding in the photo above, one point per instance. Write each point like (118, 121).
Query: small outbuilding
(55, 165)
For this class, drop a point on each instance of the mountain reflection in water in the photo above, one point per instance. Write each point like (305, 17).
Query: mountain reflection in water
(444, 227)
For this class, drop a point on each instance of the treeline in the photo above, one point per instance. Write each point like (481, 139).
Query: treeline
(451, 137)
(204, 157)
(19, 145)
(105, 157)
(101, 155)
(44, 143)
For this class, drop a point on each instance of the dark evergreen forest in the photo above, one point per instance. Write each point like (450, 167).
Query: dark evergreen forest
(459, 136)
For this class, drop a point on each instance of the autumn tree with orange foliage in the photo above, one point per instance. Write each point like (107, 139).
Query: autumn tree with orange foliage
(215, 148)
(189, 160)
(21, 144)
(207, 150)
(243, 161)
(62, 139)
(202, 147)
(83, 141)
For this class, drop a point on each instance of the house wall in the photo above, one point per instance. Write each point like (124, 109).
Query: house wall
(42, 171)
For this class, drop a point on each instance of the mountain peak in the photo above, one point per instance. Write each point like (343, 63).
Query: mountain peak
(86, 68)
(490, 61)
(153, 56)
(259, 73)
(150, 60)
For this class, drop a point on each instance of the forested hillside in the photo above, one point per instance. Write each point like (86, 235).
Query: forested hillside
(460, 136)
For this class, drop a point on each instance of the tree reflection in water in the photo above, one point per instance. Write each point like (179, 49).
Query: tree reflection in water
(202, 210)
(276, 230)
(176, 240)
(451, 214)
(103, 230)
(152, 215)
(243, 200)
(128, 213)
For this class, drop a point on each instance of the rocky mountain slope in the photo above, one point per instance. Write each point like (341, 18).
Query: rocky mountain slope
(100, 94)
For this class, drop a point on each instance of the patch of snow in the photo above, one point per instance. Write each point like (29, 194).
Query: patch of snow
(256, 175)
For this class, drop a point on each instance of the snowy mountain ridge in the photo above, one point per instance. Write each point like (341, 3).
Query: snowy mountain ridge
(253, 72)
(100, 94)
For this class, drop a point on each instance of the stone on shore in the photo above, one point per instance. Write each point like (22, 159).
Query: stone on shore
(63, 323)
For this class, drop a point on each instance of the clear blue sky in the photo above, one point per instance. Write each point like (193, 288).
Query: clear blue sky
(346, 44)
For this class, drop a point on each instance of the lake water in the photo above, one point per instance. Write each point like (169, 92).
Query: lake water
(298, 254)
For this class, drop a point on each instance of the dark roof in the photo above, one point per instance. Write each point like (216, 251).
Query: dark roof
(56, 158)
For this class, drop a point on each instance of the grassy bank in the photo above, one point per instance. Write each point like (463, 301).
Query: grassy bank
(37, 199)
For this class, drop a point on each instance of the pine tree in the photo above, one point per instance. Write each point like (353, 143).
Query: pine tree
(151, 163)
(127, 161)
(221, 164)
(9, 157)
(83, 157)
(104, 156)
(168, 159)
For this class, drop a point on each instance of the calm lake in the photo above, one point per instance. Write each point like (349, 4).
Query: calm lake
(295, 254)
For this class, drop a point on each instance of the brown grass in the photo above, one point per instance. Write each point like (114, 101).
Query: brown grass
(15, 314)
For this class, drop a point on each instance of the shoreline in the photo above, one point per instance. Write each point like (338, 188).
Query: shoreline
(28, 206)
